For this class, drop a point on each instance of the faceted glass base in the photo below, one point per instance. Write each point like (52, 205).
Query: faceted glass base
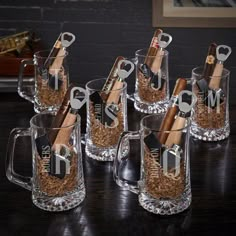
(99, 153)
(150, 108)
(209, 134)
(55, 204)
(163, 206)
(39, 109)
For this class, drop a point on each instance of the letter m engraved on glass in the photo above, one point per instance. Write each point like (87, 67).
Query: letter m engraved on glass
(213, 101)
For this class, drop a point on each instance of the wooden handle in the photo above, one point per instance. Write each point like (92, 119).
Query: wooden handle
(113, 72)
(61, 115)
(63, 135)
(152, 49)
(54, 52)
(180, 85)
(156, 65)
(57, 63)
(216, 76)
(175, 136)
(169, 118)
(114, 95)
(111, 79)
(167, 124)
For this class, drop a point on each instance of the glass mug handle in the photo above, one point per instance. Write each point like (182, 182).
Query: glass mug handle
(12, 176)
(22, 93)
(126, 184)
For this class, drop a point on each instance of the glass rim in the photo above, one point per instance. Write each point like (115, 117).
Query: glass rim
(37, 54)
(103, 79)
(200, 68)
(162, 131)
(140, 52)
(33, 125)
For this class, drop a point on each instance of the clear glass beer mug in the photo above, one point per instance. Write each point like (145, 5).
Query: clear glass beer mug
(106, 119)
(51, 82)
(152, 77)
(164, 186)
(57, 183)
(151, 95)
(211, 112)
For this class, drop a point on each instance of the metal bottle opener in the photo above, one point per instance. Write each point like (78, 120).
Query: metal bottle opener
(122, 73)
(164, 43)
(65, 42)
(221, 56)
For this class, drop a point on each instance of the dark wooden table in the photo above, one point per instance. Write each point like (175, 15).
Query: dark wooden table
(109, 210)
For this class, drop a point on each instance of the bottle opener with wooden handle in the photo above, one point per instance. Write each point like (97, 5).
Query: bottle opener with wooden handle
(176, 130)
(156, 65)
(122, 75)
(168, 120)
(55, 81)
(152, 51)
(107, 87)
(217, 73)
(65, 43)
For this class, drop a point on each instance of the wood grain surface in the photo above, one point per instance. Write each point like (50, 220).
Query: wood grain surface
(109, 210)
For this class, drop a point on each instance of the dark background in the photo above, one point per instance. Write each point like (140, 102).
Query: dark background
(104, 30)
(108, 28)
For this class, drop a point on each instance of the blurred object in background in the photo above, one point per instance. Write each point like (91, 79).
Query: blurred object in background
(15, 48)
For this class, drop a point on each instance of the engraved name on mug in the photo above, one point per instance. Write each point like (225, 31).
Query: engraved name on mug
(46, 154)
